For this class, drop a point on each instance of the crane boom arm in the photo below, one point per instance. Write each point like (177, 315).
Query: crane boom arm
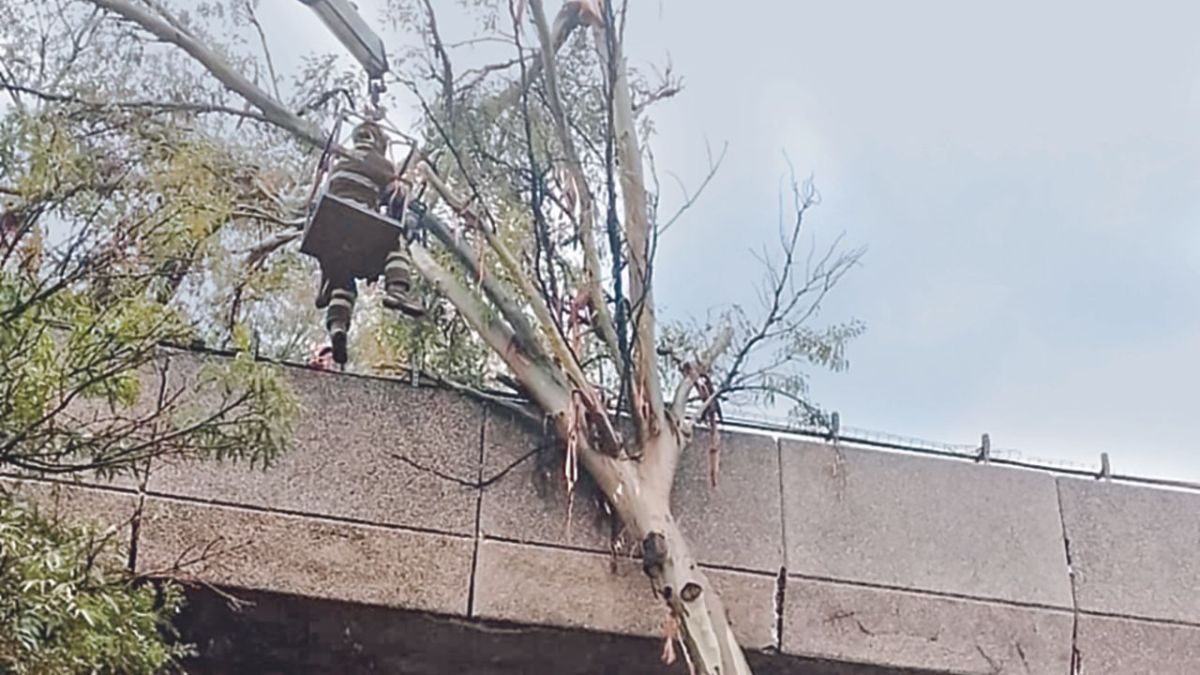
(348, 27)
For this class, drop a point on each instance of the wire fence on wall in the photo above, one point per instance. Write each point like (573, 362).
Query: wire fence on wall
(978, 453)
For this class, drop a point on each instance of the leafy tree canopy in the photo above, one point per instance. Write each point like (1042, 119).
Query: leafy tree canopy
(66, 607)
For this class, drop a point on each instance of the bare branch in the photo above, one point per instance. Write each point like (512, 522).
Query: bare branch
(163, 29)
(439, 50)
(565, 22)
(474, 484)
(689, 199)
(587, 208)
(789, 305)
(637, 226)
(152, 106)
(262, 38)
(693, 370)
(668, 87)
(265, 248)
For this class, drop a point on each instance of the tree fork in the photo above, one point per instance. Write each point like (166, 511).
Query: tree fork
(642, 502)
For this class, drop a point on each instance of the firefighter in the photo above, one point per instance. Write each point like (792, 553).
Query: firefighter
(367, 179)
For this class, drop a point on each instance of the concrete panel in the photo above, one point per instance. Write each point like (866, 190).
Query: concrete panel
(554, 587)
(1127, 647)
(924, 524)
(108, 513)
(530, 503)
(855, 624)
(739, 523)
(344, 463)
(749, 601)
(1135, 551)
(305, 556)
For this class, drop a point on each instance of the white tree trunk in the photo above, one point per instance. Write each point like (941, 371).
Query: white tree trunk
(640, 495)
(694, 602)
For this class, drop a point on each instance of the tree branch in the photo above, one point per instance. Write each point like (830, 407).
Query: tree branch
(565, 22)
(587, 207)
(163, 29)
(541, 311)
(787, 307)
(439, 50)
(693, 370)
(499, 336)
(474, 484)
(637, 225)
(262, 38)
(163, 106)
(689, 199)
(543, 386)
(493, 287)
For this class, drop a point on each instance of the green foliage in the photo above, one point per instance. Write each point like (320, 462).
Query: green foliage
(237, 408)
(65, 607)
(442, 344)
(118, 232)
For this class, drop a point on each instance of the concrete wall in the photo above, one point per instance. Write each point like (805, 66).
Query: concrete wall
(878, 558)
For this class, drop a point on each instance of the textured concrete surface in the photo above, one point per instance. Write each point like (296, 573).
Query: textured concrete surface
(1109, 646)
(746, 497)
(925, 524)
(749, 601)
(553, 587)
(845, 622)
(250, 549)
(897, 563)
(545, 586)
(529, 503)
(348, 435)
(1135, 551)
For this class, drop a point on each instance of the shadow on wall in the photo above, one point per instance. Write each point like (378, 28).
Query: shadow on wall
(276, 634)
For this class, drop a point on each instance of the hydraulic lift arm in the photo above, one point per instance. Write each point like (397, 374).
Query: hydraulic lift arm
(343, 20)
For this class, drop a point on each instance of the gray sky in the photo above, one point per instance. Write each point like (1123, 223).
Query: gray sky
(1025, 174)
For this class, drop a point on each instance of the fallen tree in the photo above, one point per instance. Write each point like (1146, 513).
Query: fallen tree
(540, 198)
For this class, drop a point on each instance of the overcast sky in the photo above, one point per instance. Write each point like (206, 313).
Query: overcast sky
(1025, 174)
